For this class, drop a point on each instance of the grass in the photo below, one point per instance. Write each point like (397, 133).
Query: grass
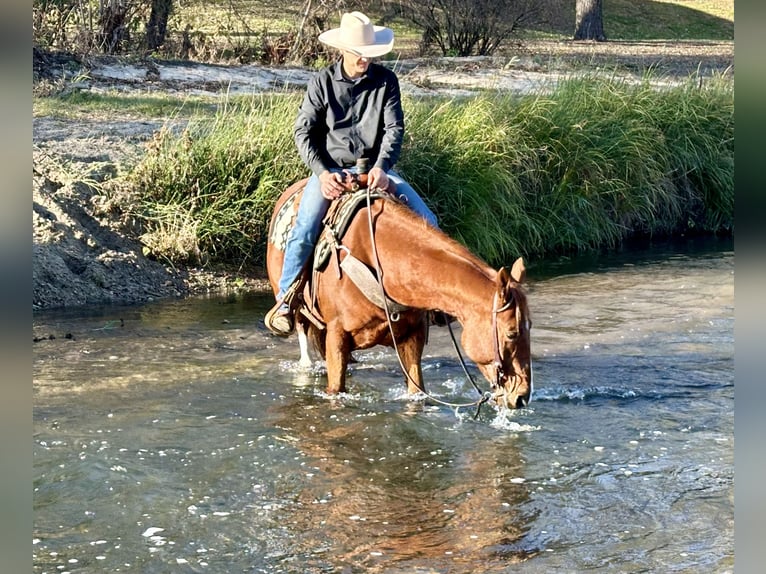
(218, 179)
(589, 166)
(623, 19)
(723, 9)
(263, 31)
(669, 19)
(74, 104)
(631, 20)
(224, 17)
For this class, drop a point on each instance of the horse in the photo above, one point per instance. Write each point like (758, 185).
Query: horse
(422, 269)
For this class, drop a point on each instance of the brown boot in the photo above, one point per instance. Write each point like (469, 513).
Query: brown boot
(279, 320)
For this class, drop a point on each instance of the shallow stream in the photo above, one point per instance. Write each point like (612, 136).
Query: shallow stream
(179, 436)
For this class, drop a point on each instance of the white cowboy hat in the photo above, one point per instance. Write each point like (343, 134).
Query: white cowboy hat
(357, 34)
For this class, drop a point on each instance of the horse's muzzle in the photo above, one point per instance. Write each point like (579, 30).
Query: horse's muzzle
(514, 393)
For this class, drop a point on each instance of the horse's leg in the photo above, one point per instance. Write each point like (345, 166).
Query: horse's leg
(411, 353)
(337, 352)
(303, 343)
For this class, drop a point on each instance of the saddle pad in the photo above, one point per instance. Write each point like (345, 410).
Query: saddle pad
(337, 221)
(284, 221)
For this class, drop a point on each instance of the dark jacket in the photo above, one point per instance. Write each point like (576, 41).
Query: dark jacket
(341, 120)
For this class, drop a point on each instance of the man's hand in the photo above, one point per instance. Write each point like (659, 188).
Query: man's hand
(331, 184)
(377, 178)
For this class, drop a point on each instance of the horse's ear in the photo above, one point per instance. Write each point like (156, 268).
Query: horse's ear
(519, 271)
(503, 280)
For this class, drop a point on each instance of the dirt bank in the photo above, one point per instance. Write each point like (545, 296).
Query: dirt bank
(85, 253)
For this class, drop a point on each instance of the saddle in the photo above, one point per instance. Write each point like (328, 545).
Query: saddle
(335, 224)
(337, 220)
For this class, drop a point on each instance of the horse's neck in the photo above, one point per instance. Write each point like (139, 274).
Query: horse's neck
(433, 271)
(458, 288)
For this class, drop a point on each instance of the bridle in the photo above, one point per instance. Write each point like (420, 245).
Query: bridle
(498, 364)
(485, 396)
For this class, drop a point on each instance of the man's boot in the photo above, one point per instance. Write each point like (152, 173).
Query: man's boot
(280, 319)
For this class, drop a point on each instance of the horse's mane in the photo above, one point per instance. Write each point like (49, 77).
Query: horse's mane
(439, 240)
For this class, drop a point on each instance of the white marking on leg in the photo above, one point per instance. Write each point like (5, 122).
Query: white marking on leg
(303, 343)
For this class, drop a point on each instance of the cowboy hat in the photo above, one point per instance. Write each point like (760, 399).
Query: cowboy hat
(357, 34)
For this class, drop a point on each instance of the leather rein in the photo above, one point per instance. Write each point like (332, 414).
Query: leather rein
(485, 396)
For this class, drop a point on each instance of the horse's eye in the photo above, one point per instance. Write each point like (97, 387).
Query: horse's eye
(511, 335)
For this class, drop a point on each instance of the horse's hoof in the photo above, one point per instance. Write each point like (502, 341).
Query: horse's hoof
(279, 321)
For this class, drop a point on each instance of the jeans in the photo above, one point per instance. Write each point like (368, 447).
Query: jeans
(308, 224)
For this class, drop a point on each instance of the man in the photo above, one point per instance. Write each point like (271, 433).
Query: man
(352, 109)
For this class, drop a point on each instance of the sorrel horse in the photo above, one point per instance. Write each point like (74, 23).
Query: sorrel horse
(422, 269)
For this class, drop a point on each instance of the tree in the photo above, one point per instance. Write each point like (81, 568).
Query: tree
(157, 25)
(314, 18)
(113, 25)
(589, 20)
(466, 27)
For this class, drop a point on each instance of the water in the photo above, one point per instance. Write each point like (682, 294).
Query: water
(179, 437)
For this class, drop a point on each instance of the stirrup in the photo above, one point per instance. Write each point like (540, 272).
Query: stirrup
(279, 320)
(292, 292)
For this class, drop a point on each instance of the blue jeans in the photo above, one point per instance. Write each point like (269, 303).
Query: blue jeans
(308, 224)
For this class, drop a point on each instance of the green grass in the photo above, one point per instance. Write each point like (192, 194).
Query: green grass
(217, 180)
(666, 19)
(640, 20)
(623, 20)
(589, 166)
(73, 104)
(225, 17)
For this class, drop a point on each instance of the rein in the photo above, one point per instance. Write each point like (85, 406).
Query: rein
(485, 396)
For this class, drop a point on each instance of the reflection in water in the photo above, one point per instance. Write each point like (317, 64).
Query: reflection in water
(424, 500)
(180, 437)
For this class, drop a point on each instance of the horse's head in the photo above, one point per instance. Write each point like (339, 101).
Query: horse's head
(510, 373)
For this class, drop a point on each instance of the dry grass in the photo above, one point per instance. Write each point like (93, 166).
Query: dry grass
(676, 58)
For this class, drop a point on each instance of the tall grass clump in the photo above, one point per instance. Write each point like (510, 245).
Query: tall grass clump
(593, 163)
(601, 172)
(619, 160)
(698, 127)
(460, 154)
(586, 167)
(206, 192)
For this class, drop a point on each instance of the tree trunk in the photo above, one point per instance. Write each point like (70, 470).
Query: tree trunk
(113, 26)
(589, 21)
(158, 23)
